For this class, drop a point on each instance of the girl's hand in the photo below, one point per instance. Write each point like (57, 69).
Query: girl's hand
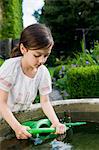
(60, 128)
(22, 133)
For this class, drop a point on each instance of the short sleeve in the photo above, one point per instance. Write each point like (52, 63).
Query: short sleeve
(45, 86)
(5, 76)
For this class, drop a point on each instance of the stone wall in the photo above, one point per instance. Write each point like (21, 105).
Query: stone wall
(6, 46)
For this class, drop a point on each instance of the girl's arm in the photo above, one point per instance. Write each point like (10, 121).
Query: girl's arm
(7, 115)
(50, 113)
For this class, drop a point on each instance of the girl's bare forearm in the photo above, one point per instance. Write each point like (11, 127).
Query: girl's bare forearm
(8, 116)
(49, 111)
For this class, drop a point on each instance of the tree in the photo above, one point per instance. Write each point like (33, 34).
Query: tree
(67, 19)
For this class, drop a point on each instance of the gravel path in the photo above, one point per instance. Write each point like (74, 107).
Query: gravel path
(55, 95)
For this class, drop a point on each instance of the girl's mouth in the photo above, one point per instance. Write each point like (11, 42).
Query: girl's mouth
(37, 66)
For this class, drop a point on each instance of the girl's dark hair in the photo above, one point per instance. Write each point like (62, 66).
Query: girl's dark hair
(34, 37)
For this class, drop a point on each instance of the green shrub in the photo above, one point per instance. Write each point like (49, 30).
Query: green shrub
(60, 71)
(83, 82)
(59, 79)
(11, 23)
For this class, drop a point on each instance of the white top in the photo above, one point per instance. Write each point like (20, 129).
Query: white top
(22, 89)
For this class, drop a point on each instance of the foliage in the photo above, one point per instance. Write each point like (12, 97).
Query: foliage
(67, 19)
(11, 24)
(1, 61)
(85, 58)
(95, 52)
(60, 71)
(82, 59)
(37, 99)
(51, 60)
(36, 14)
(88, 59)
(83, 82)
(51, 70)
(59, 79)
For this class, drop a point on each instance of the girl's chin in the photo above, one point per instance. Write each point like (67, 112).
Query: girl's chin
(36, 66)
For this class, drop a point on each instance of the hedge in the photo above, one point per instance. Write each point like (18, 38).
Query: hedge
(83, 82)
(11, 23)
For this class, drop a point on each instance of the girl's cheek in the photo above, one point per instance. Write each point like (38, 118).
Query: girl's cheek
(45, 59)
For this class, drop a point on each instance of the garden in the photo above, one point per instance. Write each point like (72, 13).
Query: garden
(78, 77)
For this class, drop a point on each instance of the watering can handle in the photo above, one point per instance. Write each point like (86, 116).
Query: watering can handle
(41, 130)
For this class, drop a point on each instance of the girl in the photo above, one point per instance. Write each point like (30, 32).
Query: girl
(23, 75)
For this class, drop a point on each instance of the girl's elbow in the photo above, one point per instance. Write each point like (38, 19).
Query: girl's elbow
(44, 99)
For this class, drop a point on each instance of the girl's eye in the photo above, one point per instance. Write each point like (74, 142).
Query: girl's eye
(40, 56)
(46, 55)
(37, 55)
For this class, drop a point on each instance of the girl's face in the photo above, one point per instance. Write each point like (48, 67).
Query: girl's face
(35, 58)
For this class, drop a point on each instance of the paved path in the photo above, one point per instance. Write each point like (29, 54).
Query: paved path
(55, 95)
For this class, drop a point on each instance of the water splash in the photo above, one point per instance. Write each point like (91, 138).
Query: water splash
(59, 145)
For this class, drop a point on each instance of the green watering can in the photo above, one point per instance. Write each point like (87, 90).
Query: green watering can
(43, 126)
(42, 131)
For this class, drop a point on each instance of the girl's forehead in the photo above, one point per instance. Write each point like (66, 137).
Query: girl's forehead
(43, 51)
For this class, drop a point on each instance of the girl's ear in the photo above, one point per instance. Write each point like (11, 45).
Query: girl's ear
(23, 49)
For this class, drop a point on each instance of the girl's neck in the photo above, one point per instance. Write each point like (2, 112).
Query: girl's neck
(27, 70)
